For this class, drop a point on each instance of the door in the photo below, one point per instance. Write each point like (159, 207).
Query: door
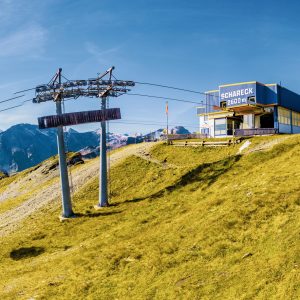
(267, 121)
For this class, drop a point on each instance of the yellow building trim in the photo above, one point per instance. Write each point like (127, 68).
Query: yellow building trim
(217, 112)
(210, 113)
(269, 105)
(239, 83)
(212, 91)
(220, 115)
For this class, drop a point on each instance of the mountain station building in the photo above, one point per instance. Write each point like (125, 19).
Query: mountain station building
(249, 108)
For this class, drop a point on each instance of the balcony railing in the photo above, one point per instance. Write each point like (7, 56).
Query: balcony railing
(184, 136)
(255, 131)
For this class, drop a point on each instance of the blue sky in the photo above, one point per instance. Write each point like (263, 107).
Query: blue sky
(191, 44)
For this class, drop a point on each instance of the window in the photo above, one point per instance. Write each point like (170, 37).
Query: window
(296, 118)
(200, 110)
(251, 99)
(205, 131)
(223, 104)
(248, 121)
(284, 116)
(220, 127)
(205, 117)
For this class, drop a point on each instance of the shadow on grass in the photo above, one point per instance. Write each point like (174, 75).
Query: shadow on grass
(26, 252)
(97, 214)
(206, 174)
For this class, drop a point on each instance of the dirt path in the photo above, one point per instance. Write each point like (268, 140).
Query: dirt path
(16, 188)
(10, 219)
(268, 145)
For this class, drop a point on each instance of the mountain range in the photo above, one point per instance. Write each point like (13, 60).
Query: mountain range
(25, 145)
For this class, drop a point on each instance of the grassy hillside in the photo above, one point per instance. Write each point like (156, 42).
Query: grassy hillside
(205, 223)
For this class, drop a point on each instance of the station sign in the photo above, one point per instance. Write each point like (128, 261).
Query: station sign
(236, 95)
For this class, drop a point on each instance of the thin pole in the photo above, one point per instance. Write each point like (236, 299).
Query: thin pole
(167, 113)
(66, 199)
(103, 198)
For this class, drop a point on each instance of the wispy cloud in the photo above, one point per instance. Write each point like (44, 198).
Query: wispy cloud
(101, 55)
(29, 41)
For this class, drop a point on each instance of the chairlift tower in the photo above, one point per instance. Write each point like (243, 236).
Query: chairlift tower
(98, 87)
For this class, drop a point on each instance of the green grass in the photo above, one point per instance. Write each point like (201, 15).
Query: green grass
(189, 157)
(220, 226)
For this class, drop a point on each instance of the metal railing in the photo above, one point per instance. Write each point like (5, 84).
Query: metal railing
(183, 136)
(255, 131)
